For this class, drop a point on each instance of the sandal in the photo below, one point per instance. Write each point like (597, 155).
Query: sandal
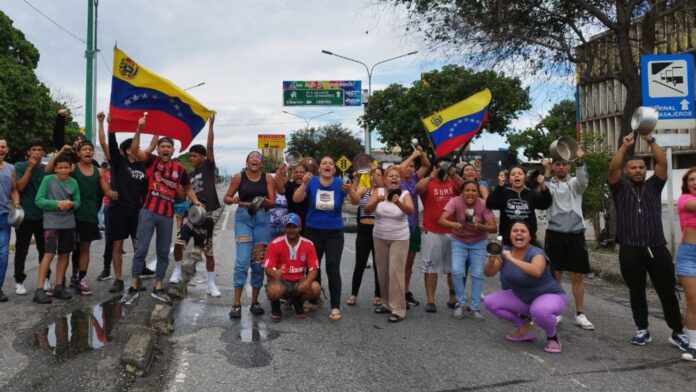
(335, 314)
(394, 318)
(552, 346)
(382, 310)
(352, 300)
(377, 301)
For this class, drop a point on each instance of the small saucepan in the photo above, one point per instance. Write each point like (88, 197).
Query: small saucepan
(16, 217)
(644, 120)
(196, 215)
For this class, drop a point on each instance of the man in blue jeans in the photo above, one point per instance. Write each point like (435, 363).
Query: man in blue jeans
(166, 179)
(8, 192)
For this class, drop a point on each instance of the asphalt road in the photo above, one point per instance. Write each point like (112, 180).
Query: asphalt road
(428, 352)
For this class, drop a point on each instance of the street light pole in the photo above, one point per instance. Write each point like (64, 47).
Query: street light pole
(368, 139)
(307, 120)
(194, 86)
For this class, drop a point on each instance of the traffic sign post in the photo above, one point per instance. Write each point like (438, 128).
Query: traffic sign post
(343, 164)
(322, 93)
(668, 85)
(271, 142)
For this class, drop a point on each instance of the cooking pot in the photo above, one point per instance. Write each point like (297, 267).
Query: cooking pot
(563, 149)
(15, 217)
(293, 158)
(362, 163)
(495, 247)
(644, 120)
(196, 215)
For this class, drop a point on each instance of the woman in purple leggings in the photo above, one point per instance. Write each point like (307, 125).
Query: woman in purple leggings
(533, 290)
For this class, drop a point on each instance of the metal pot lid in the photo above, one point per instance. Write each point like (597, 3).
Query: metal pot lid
(196, 214)
(15, 217)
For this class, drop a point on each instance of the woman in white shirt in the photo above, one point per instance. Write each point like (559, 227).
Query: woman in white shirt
(391, 235)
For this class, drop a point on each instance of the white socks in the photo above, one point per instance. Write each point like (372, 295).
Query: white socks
(211, 278)
(691, 334)
(177, 265)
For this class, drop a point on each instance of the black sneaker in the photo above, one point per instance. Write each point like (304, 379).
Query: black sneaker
(298, 304)
(130, 297)
(411, 300)
(641, 337)
(680, 341)
(73, 282)
(40, 297)
(117, 286)
(276, 313)
(61, 293)
(689, 354)
(236, 312)
(160, 295)
(147, 273)
(430, 308)
(256, 308)
(3, 297)
(104, 275)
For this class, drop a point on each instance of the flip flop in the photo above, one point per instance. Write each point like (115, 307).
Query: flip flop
(552, 346)
(335, 315)
(377, 301)
(526, 337)
(394, 318)
(351, 301)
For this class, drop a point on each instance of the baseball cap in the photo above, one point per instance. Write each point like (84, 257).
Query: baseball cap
(292, 219)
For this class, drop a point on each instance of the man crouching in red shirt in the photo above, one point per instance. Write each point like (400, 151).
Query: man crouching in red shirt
(291, 266)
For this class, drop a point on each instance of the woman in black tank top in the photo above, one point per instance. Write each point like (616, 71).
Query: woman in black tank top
(252, 228)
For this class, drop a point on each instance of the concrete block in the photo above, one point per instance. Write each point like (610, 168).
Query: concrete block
(177, 291)
(162, 319)
(139, 352)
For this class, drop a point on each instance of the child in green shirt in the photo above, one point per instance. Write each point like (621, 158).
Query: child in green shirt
(58, 197)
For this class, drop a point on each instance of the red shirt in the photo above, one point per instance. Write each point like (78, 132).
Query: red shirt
(162, 181)
(292, 262)
(435, 199)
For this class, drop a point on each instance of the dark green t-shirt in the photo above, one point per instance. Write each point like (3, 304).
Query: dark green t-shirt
(27, 196)
(90, 195)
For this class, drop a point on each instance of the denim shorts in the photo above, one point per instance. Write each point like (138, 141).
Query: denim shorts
(686, 259)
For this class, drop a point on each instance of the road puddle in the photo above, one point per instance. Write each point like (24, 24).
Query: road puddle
(253, 330)
(81, 330)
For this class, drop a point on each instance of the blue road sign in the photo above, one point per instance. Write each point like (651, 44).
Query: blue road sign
(668, 86)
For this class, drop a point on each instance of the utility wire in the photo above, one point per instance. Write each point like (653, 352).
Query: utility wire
(54, 22)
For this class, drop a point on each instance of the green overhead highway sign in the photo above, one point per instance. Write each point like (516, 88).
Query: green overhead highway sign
(313, 97)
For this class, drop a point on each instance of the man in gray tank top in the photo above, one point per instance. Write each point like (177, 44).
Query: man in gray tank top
(8, 191)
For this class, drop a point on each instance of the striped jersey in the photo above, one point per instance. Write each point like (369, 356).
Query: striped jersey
(639, 212)
(162, 182)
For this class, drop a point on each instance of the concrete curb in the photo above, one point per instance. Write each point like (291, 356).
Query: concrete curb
(162, 319)
(138, 354)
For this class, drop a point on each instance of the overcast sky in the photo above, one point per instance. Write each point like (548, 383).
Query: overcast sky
(242, 50)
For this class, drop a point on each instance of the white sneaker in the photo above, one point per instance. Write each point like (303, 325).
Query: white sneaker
(559, 319)
(47, 285)
(213, 290)
(176, 276)
(582, 322)
(20, 289)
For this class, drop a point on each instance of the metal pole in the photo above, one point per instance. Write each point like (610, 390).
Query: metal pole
(93, 114)
(89, 82)
(670, 200)
(368, 137)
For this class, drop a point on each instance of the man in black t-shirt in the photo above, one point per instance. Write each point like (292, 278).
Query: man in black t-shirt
(203, 179)
(128, 179)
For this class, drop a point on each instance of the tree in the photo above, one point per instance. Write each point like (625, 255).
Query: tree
(331, 140)
(396, 112)
(26, 107)
(596, 161)
(559, 122)
(544, 34)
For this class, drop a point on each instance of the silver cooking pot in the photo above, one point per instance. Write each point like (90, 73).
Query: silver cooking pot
(644, 120)
(293, 158)
(16, 216)
(196, 215)
(565, 149)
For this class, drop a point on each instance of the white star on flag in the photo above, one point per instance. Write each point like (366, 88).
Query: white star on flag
(177, 107)
(127, 102)
(144, 95)
(135, 97)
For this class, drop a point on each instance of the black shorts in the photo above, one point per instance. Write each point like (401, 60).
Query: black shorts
(87, 231)
(124, 223)
(59, 241)
(290, 292)
(202, 235)
(567, 251)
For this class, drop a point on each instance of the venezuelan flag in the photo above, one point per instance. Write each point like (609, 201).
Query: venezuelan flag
(170, 110)
(459, 123)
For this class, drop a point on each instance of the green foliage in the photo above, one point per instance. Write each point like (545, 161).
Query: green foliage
(559, 122)
(396, 112)
(26, 107)
(184, 160)
(596, 160)
(331, 140)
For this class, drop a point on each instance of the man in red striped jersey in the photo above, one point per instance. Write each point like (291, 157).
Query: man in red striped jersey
(165, 179)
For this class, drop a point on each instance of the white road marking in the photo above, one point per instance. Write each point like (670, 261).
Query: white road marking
(535, 357)
(349, 250)
(227, 216)
(578, 383)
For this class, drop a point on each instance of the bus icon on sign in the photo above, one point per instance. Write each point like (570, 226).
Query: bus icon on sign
(668, 79)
